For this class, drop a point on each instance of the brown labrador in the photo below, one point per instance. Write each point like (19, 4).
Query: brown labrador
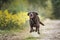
(34, 21)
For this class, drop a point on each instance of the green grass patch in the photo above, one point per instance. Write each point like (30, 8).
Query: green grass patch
(30, 38)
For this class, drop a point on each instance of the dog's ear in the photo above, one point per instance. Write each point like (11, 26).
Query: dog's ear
(28, 14)
(36, 13)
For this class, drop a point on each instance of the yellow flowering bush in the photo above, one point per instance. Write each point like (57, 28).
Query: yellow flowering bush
(8, 21)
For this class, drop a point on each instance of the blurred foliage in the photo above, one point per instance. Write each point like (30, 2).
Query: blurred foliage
(13, 13)
(9, 21)
(56, 8)
(13, 5)
(38, 2)
(46, 8)
(4, 4)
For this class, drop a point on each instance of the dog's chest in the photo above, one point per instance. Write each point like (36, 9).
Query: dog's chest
(33, 21)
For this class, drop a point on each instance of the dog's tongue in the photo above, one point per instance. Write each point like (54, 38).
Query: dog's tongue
(34, 34)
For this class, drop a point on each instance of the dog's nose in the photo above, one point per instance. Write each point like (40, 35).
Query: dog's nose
(31, 15)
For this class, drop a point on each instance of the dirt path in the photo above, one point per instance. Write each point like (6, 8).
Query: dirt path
(51, 30)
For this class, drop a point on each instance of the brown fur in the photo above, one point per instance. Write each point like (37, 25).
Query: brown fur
(34, 22)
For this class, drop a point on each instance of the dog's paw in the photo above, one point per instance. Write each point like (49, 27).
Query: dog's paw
(38, 32)
(30, 31)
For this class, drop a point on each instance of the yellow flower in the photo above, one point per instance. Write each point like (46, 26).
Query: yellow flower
(19, 18)
(0, 12)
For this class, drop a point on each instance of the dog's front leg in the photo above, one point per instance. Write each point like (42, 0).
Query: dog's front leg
(31, 29)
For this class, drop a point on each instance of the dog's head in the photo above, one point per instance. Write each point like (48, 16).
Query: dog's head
(32, 14)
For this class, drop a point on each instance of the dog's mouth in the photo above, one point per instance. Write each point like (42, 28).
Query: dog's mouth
(31, 16)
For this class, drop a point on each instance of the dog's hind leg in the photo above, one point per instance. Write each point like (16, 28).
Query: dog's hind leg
(38, 30)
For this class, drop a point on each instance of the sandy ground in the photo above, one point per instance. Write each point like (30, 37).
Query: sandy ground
(51, 30)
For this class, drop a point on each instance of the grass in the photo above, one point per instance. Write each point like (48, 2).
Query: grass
(12, 31)
(30, 38)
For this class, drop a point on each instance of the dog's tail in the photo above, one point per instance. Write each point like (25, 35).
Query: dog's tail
(41, 23)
